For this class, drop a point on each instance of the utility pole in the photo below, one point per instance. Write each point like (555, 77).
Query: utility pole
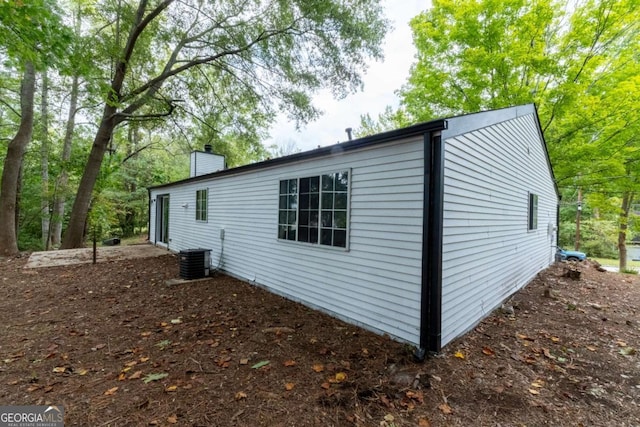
(578, 214)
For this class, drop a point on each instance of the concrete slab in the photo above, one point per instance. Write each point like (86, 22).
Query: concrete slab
(85, 255)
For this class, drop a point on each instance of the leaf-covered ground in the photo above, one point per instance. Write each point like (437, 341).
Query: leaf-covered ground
(116, 346)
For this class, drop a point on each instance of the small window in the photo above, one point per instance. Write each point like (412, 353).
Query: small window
(533, 211)
(314, 209)
(201, 205)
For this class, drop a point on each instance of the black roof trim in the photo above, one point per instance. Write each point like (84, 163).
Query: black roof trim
(367, 141)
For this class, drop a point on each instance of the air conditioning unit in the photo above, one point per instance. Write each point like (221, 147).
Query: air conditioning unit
(194, 263)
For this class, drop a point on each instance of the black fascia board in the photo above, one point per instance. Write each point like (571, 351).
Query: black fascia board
(336, 149)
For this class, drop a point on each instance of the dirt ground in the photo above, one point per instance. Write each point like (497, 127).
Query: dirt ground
(116, 346)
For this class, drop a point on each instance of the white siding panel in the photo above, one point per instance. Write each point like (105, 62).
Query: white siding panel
(202, 163)
(376, 283)
(488, 252)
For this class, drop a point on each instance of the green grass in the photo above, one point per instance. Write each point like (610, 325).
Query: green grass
(615, 262)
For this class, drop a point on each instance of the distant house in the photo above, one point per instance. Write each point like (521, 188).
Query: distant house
(418, 232)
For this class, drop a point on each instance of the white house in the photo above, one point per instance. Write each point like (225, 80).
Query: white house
(418, 232)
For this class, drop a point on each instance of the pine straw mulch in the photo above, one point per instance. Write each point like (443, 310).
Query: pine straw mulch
(116, 346)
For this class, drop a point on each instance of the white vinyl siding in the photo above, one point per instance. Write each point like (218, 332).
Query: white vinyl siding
(202, 163)
(376, 283)
(489, 248)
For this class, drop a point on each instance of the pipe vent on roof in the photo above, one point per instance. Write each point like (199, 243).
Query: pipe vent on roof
(348, 131)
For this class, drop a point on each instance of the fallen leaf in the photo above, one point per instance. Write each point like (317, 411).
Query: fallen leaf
(241, 395)
(163, 344)
(33, 388)
(132, 363)
(445, 408)
(260, 364)
(591, 348)
(171, 388)
(318, 367)
(534, 391)
(389, 418)
(176, 321)
(340, 376)
(14, 382)
(155, 377)
(289, 386)
(173, 419)
(136, 375)
(82, 371)
(488, 351)
(111, 391)
(59, 369)
(145, 334)
(621, 343)
(459, 355)
(538, 383)
(244, 361)
(548, 354)
(289, 363)
(628, 351)
(423, 422)
(555, 339)
(122, 376)
(325, 386)
(143, 359)
(418, 396)
(525, 337)
(385, 400)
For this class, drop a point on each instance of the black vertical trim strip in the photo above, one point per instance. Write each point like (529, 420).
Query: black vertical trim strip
(149, 210)
(431, 294)
(558, 224)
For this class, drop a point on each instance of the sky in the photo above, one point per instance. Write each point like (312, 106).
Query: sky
(381, 81)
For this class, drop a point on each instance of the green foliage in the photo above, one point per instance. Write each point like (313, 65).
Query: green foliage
(388, 120)
(629, 271)
(476, 55)
(32, 31)
(598, 238)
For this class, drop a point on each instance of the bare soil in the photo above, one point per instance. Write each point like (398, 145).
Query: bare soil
(116, 346)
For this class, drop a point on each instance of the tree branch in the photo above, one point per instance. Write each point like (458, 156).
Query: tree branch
(168, 72)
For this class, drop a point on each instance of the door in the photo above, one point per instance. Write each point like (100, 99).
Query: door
(162, 219)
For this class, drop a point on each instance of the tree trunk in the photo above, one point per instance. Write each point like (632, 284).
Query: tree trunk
(44, 161)
(13, 163)
(74, 235)
(60, 197)
(627, 199)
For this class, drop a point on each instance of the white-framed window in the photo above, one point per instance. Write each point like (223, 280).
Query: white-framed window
(315, 209)
(533, 211)
(202, 204)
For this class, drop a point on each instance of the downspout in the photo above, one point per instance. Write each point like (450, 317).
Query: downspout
(149, 217)
(431, 293)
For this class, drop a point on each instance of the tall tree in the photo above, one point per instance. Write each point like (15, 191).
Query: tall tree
(13, 163)
(277, 51)
(31, 33)
(44, 161)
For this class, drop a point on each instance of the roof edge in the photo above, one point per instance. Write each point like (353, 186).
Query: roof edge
(367, 141)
